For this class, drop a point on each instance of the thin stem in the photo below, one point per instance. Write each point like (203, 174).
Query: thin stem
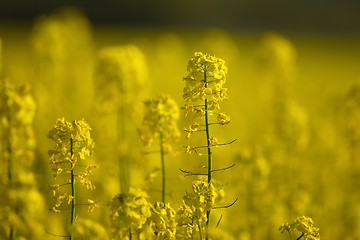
(10, 173)
(124, 173)
(223, 169)
(227, 206)
(56, 235)
(162, 156)
(12, 233)
(302, 234)
(72, 218)
(209, 172)
(188, 173)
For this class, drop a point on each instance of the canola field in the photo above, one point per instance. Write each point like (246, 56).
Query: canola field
(130, 133)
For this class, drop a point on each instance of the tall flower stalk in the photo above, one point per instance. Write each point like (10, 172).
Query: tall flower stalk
(18, 187)
(73, 144)
(121, 76)
(160, 124)
(204, 91)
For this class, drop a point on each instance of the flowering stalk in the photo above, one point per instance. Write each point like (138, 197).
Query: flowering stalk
(121, 76)
(17, 109)
(159, 122)
(204, 91)
(209, 150)
(73, 144)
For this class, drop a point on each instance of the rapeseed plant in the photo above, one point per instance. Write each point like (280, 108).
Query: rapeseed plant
(121, 78)
(203, 92)
(73, 144)
(63, 60)
(160, 124)
(192, 215)
(22, 202)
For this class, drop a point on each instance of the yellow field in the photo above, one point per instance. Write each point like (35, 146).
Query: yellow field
(293, 101)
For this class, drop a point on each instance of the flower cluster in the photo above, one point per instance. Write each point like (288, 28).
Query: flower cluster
(205, 90)
(22, 206)
(162, 221)
(203, 196)
(120, 69)
(191, 215)
(160, 120)
(205, 80)
(73, 143)
(304, 225)
(129, 212)
(17, 110)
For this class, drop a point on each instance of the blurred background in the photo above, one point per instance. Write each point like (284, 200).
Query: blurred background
(335, 17)
(294, 100)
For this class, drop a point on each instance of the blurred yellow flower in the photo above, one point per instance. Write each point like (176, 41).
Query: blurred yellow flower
(160, 120)
(129, 211)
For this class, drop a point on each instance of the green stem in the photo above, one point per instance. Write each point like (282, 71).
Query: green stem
(302, 234)
(209, 151)
(72, 219)
(10, 173)
(12, 233)
(162, 156)
(124, 173)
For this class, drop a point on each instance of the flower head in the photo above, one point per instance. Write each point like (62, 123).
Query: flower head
(203, 195)
(162, 220)
(304, 225)
(160, 119)
(72, 142)
(205, 79)
(129, 210)
(121, 69)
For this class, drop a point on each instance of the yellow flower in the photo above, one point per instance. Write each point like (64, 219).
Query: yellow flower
(160, 119)
(223, 118)
(92, 205)
(203, 196)
(162, 220)
(129, 210)
(72, 142)
(304, 225)
(205, 80)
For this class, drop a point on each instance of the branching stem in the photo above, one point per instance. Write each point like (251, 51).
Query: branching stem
(163, 172)
(72, 218)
